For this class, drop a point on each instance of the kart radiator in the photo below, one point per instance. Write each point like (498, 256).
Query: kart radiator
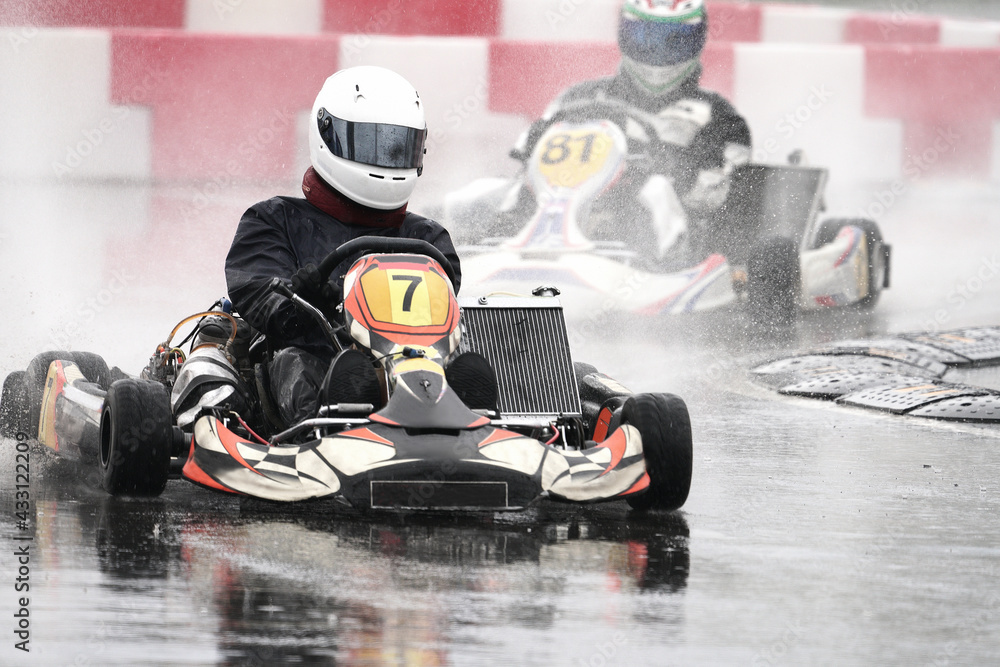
(525, 341)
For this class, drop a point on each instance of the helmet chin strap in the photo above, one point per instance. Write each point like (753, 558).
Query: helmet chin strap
(659, 80)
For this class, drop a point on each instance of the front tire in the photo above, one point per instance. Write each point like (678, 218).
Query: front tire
(665, 426)
(136, 438)
(774, 283)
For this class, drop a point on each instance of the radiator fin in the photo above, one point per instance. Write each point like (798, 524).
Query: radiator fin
(528, 347)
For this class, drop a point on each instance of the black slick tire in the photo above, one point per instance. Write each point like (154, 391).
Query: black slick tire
(94, 368)
(136, 438)
(774, 282)
(665, 426)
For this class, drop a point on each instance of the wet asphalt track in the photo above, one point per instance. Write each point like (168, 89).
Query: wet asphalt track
(813, 534)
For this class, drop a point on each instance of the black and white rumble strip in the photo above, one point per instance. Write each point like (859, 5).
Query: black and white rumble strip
(904, 375)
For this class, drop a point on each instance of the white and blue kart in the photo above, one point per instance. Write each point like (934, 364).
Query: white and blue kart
(771, 252)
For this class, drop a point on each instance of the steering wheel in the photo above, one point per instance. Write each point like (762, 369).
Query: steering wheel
(354, 248)
(383, 244)
(614, 110)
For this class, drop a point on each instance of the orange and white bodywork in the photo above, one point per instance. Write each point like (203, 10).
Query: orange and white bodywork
(400, 301)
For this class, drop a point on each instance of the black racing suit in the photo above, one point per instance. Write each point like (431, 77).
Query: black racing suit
(276, 238)
(692, 136)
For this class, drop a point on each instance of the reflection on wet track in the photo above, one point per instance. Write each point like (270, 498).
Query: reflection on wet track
(232, 581)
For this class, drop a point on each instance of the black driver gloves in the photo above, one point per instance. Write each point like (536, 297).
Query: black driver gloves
(308, 284)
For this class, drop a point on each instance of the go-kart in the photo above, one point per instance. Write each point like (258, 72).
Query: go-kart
(593, 214)
(429, 404)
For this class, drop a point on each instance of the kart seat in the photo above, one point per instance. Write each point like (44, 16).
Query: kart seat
(474, 380)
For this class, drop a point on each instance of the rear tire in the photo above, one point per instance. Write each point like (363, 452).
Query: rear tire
(878, 253)
(34, 385)
(773, 282)
(94, 368)
(14, 406)
(136, 438)
(665, 426)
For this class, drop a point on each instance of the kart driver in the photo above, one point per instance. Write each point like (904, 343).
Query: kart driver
(366, 147)
(694, 137)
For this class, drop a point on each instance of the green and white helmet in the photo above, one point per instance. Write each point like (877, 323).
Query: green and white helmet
(661, 41)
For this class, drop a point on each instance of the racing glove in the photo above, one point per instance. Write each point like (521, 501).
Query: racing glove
(309, 285)
(668, 217)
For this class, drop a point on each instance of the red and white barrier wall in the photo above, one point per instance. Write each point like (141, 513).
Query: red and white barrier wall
(566, 20)
(202, 90)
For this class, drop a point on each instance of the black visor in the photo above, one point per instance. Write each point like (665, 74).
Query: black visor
(377, 144)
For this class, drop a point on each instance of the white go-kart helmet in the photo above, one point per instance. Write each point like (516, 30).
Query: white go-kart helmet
(366, 136)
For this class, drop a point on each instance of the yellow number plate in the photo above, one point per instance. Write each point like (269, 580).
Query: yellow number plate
(567, 158)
